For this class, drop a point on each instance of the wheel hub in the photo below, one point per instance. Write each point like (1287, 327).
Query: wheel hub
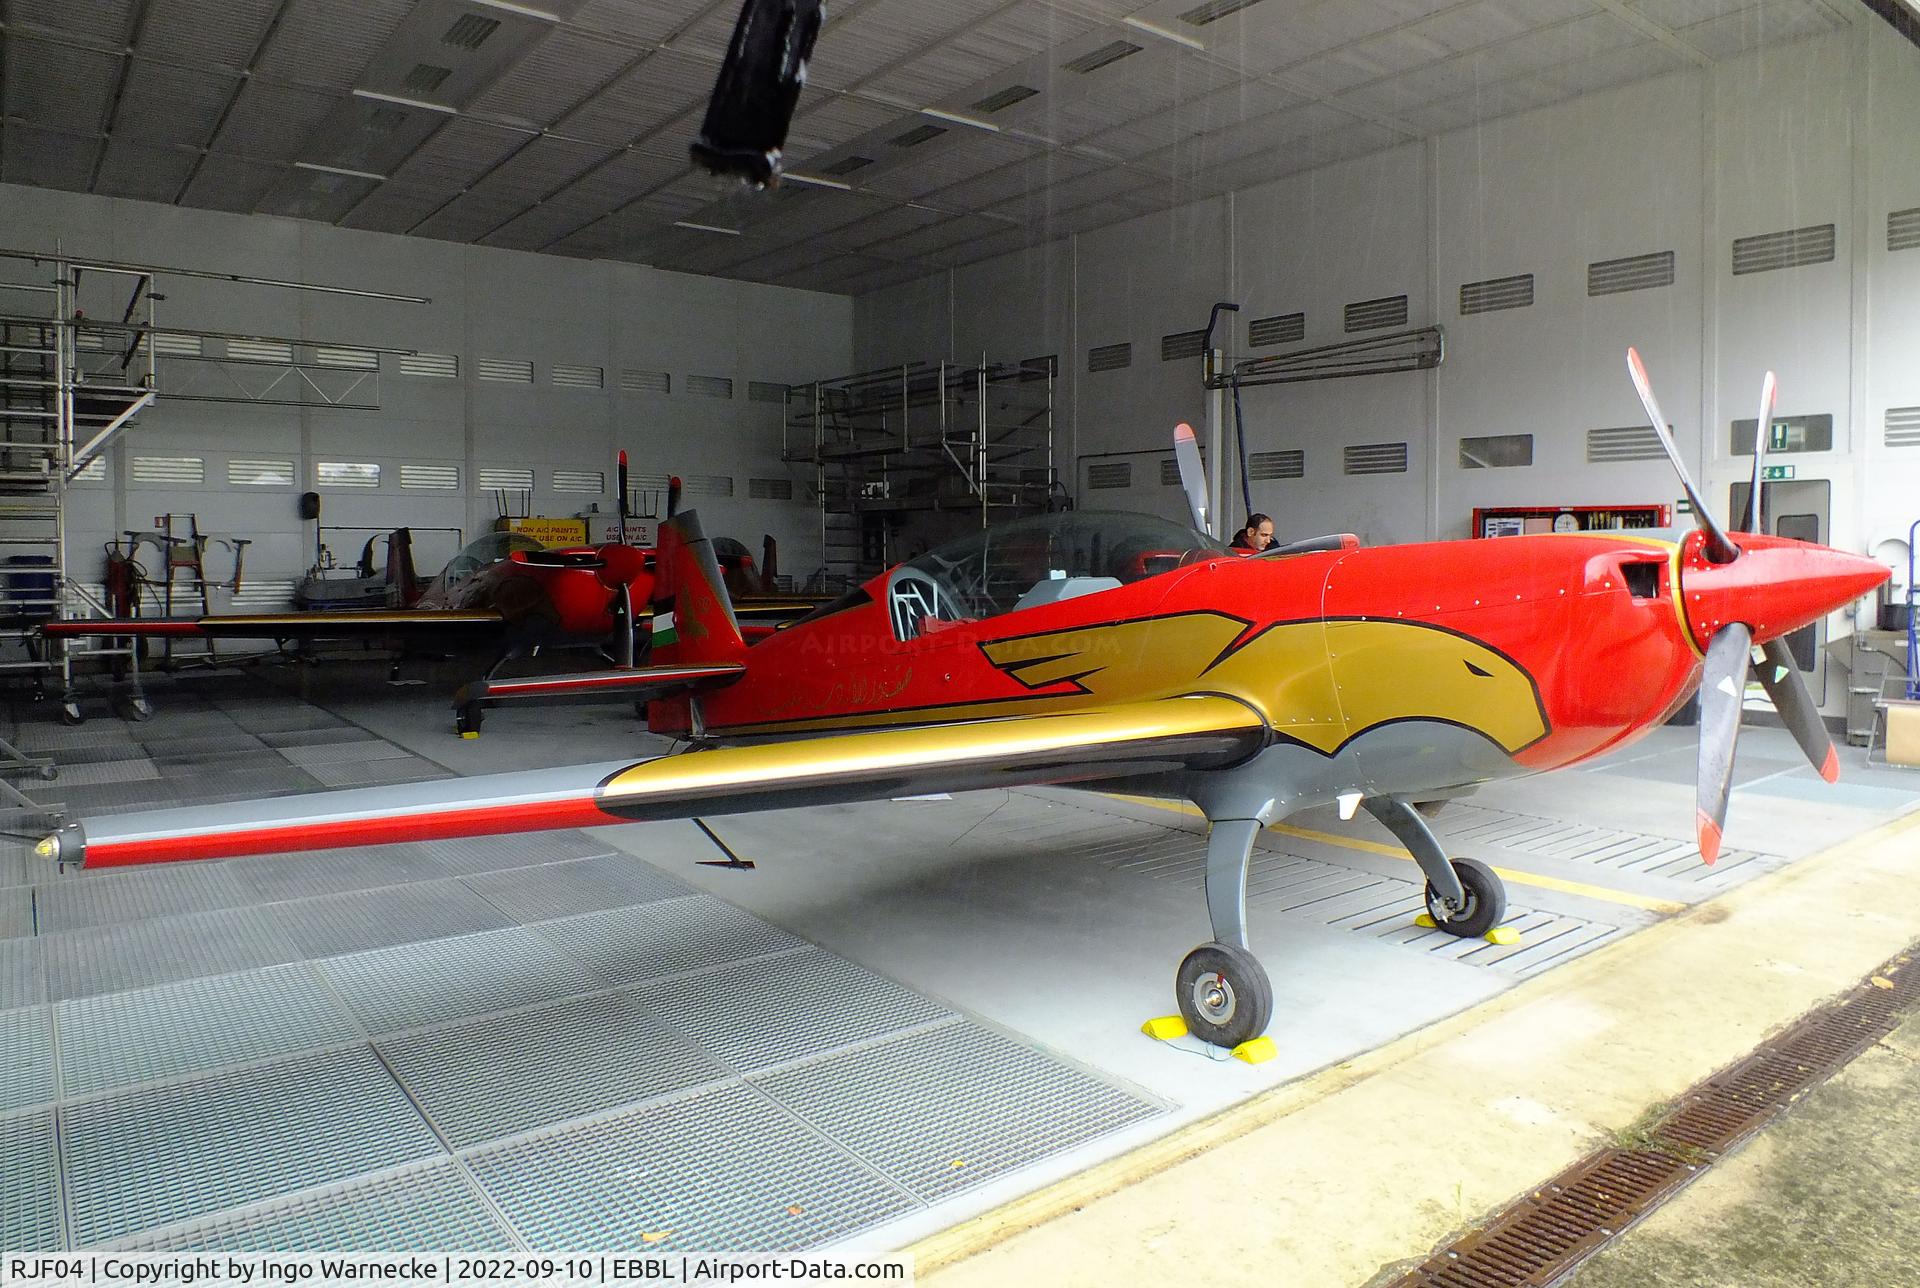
(1213, 998)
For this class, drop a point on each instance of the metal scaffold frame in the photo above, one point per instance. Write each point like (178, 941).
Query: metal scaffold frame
(70, 386)
(918, 439)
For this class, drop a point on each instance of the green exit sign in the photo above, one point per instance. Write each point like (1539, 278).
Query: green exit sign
(1775, 473)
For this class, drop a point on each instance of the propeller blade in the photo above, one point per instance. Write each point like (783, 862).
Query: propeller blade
(769, 560)
(673, 496)
(1193, 476)
(622, 507)
(1718, 549)
(1723, 686)
(1769, 388)
(1788, 689)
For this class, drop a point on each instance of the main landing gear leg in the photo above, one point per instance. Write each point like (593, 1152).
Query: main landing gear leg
(1224, 993)
(1464, 897)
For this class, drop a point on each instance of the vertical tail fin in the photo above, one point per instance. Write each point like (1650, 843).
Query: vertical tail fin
(693, 617)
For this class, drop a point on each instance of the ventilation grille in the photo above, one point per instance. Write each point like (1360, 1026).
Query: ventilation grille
(1903, 229)
(1371, 315)
(93, 340)
(1493, 295)
(1170, 472)
(766, 391)
(1282, 328)
(1496, 452)
(1105, 56)
(426, 77)
(434, 478)
(504, 370)
(506, 480)
(1000, 100)
(571, 376)
(648, 482)
(847, 165)
(917, 135)
(430, 366)
(706, 485)
(1110, 357)
(1376, 458)
(1790, 249)
(94, 471)
(1214, 11)
(1636, 273)
(584, 482)
(1625, 443)
(176, 346)
(259, 473)
(646, 382)
(260, 351)
(169, 471)
(470, 31)
(1903, 427)
(346, 473)
(1182, 344)
(710, 386)
(770, 489)
(1110, 474)
(352, 359)
(1265, 467)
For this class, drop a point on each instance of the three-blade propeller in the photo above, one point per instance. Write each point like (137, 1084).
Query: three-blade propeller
(1729, 654)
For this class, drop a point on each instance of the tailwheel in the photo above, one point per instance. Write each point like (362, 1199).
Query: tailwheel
(1484, 907)
(1224, 994)
(70, 713)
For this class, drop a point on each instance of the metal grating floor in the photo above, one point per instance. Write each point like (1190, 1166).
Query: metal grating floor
(163, 1154)
(652, 940)
(660, 1177)
(497, 1077)
(947, 1109)
(26, 1053)
(428, 1207)
(1604, 847)
(29, 1184)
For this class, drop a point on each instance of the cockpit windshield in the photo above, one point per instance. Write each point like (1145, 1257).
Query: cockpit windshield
(488, 549)
(1041, 560)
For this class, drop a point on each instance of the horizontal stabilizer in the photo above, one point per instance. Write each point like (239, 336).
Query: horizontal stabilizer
(641, 684)
(368, 624)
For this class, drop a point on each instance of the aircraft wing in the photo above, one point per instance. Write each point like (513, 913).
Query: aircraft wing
(1167, 735)
(351, 625)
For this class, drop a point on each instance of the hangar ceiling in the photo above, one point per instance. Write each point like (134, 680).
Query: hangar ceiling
(932, 133)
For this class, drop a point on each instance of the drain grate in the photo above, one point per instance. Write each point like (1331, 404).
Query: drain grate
(425, 1207)
(1539, 1239)
(1463, 826)
(16, 913)
(23, 980)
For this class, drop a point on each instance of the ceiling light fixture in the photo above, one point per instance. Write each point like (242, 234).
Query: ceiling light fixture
(705, 228)
(960, 118)
(317, 168)
(525, 11)
(398, 101)
(1165, 33)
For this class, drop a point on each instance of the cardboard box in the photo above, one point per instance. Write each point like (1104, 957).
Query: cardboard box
(1903, 733)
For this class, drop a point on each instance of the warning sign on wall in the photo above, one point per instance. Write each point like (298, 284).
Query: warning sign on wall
(548, 532)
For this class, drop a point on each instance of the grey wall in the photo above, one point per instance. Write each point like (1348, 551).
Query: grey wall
(486, 303)
(1805, 133)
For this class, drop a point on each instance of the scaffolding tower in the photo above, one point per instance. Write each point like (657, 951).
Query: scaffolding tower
(915, 440)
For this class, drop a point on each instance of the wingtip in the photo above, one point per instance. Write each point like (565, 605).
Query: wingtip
(1709, 833)
(1830, 768)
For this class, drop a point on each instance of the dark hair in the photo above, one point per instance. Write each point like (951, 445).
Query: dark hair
(1255, 520)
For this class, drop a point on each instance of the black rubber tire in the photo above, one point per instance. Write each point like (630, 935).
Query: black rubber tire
(468, 718)
(1486, 901)
(136, 711)
(70, 715)
(1237, 981)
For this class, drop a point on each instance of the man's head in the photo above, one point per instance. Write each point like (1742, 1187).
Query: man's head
(1258, 532)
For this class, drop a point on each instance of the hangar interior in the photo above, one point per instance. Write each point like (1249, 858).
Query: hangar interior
(438, 263)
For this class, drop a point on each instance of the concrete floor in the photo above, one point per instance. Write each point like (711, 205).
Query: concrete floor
(1057, 918)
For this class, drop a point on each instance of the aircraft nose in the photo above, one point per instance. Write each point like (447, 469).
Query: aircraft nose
(1776, 586)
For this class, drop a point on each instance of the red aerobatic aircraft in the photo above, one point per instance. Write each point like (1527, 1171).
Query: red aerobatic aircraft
(502, 588)
(1128, 653)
